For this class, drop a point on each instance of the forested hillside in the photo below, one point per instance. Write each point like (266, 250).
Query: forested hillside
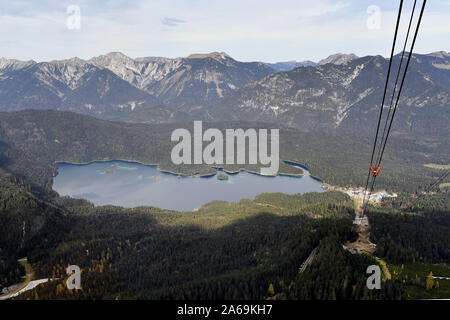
(158, 254)
(418, 231)
(31, 142)
(251, 249)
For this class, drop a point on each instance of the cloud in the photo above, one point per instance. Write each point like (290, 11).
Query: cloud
(172, 22)
(250, 30)
(319, 9)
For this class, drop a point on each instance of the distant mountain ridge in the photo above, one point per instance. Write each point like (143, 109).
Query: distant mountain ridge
(339, 93)
(338, 58)
(440, 54)
(85, 86)
(7, 65)
(72, 84)
(114, 84)
(347, 97)
(289, 65)
(140, 72)
(184, 83)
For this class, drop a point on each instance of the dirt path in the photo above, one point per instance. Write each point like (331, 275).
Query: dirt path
(363, 243)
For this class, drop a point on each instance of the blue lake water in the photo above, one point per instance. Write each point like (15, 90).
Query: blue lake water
(130, 184)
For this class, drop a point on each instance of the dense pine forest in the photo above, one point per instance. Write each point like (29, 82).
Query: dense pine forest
(32, 141)
(246, 250)
(167, 255)
(416, 232)
(251, 249)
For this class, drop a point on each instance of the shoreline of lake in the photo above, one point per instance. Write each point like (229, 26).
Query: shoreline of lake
(133, 184)
(201, 175)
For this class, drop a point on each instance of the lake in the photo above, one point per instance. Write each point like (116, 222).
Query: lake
(130, 184)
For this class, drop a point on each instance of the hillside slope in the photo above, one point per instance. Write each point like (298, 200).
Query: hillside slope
(347, 97)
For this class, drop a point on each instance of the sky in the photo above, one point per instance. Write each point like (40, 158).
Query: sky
(247, 30)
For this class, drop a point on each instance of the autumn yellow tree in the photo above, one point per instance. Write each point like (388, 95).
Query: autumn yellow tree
(430, 282)
(271, 290)
(59, 289)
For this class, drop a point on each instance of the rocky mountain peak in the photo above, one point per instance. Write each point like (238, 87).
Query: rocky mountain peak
(111, 59)
(117, 54)
(213, 55)
(338, 58)
(74, 61)
(440, 54)
(13, 64)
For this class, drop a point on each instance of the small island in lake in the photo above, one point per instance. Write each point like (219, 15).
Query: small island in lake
(90, 182)
(222, 176)
(107, 171)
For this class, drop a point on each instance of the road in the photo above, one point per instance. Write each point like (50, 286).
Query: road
(441, 278)
(18, 287)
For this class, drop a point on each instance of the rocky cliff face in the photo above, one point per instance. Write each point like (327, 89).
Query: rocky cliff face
(114, 84)
(185, 83)
(338, 58)
(72, 84)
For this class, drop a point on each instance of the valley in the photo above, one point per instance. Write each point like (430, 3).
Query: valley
(33, 141)
(141, 227)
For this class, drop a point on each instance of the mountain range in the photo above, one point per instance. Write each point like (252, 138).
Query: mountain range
(112, 85)
(339, 92)
(347, 96)
(338, 58)
(72, 84)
